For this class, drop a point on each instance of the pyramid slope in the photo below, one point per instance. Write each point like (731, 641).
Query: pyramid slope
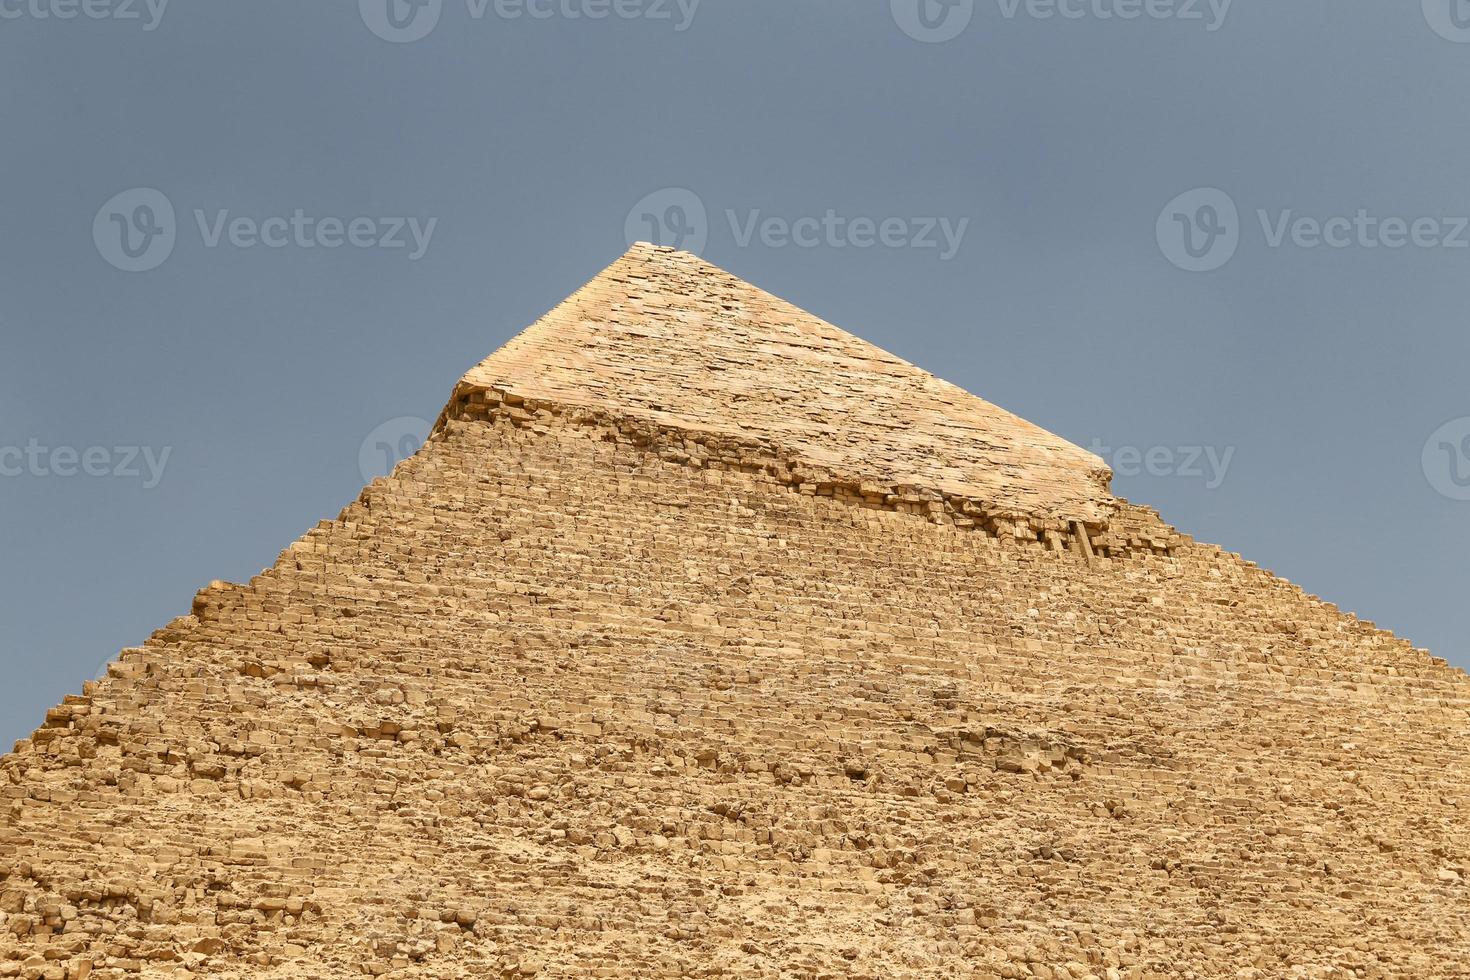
(664, 336)
(568, 696)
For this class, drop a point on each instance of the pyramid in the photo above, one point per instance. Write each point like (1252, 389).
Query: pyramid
(703, 639)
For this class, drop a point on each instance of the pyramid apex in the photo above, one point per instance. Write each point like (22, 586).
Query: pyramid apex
(650, 251)
(668, 338)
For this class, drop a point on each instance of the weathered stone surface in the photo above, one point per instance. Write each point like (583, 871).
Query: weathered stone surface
(592, 690)
(666, 337)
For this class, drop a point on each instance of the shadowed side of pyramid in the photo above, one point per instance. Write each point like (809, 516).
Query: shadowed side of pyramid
(665, 337)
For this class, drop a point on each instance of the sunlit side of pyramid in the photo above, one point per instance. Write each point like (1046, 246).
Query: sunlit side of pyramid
(704, 639)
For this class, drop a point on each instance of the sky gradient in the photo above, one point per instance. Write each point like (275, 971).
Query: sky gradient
(247, 249)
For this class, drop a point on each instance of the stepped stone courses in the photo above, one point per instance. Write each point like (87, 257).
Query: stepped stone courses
(599, 685)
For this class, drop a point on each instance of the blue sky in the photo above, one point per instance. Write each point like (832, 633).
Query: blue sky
(245, 247)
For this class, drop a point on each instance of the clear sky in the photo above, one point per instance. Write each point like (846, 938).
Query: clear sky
(244, 245)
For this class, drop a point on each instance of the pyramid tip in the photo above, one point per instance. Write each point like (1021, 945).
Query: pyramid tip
(644, 248)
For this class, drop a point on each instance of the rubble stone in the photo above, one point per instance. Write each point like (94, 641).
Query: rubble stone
(702, 639)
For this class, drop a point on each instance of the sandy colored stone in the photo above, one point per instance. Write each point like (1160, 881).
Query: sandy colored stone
(635, 672)
(667, 337)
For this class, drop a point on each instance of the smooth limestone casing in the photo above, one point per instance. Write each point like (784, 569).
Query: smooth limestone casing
(578, 695)
(666, 337)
